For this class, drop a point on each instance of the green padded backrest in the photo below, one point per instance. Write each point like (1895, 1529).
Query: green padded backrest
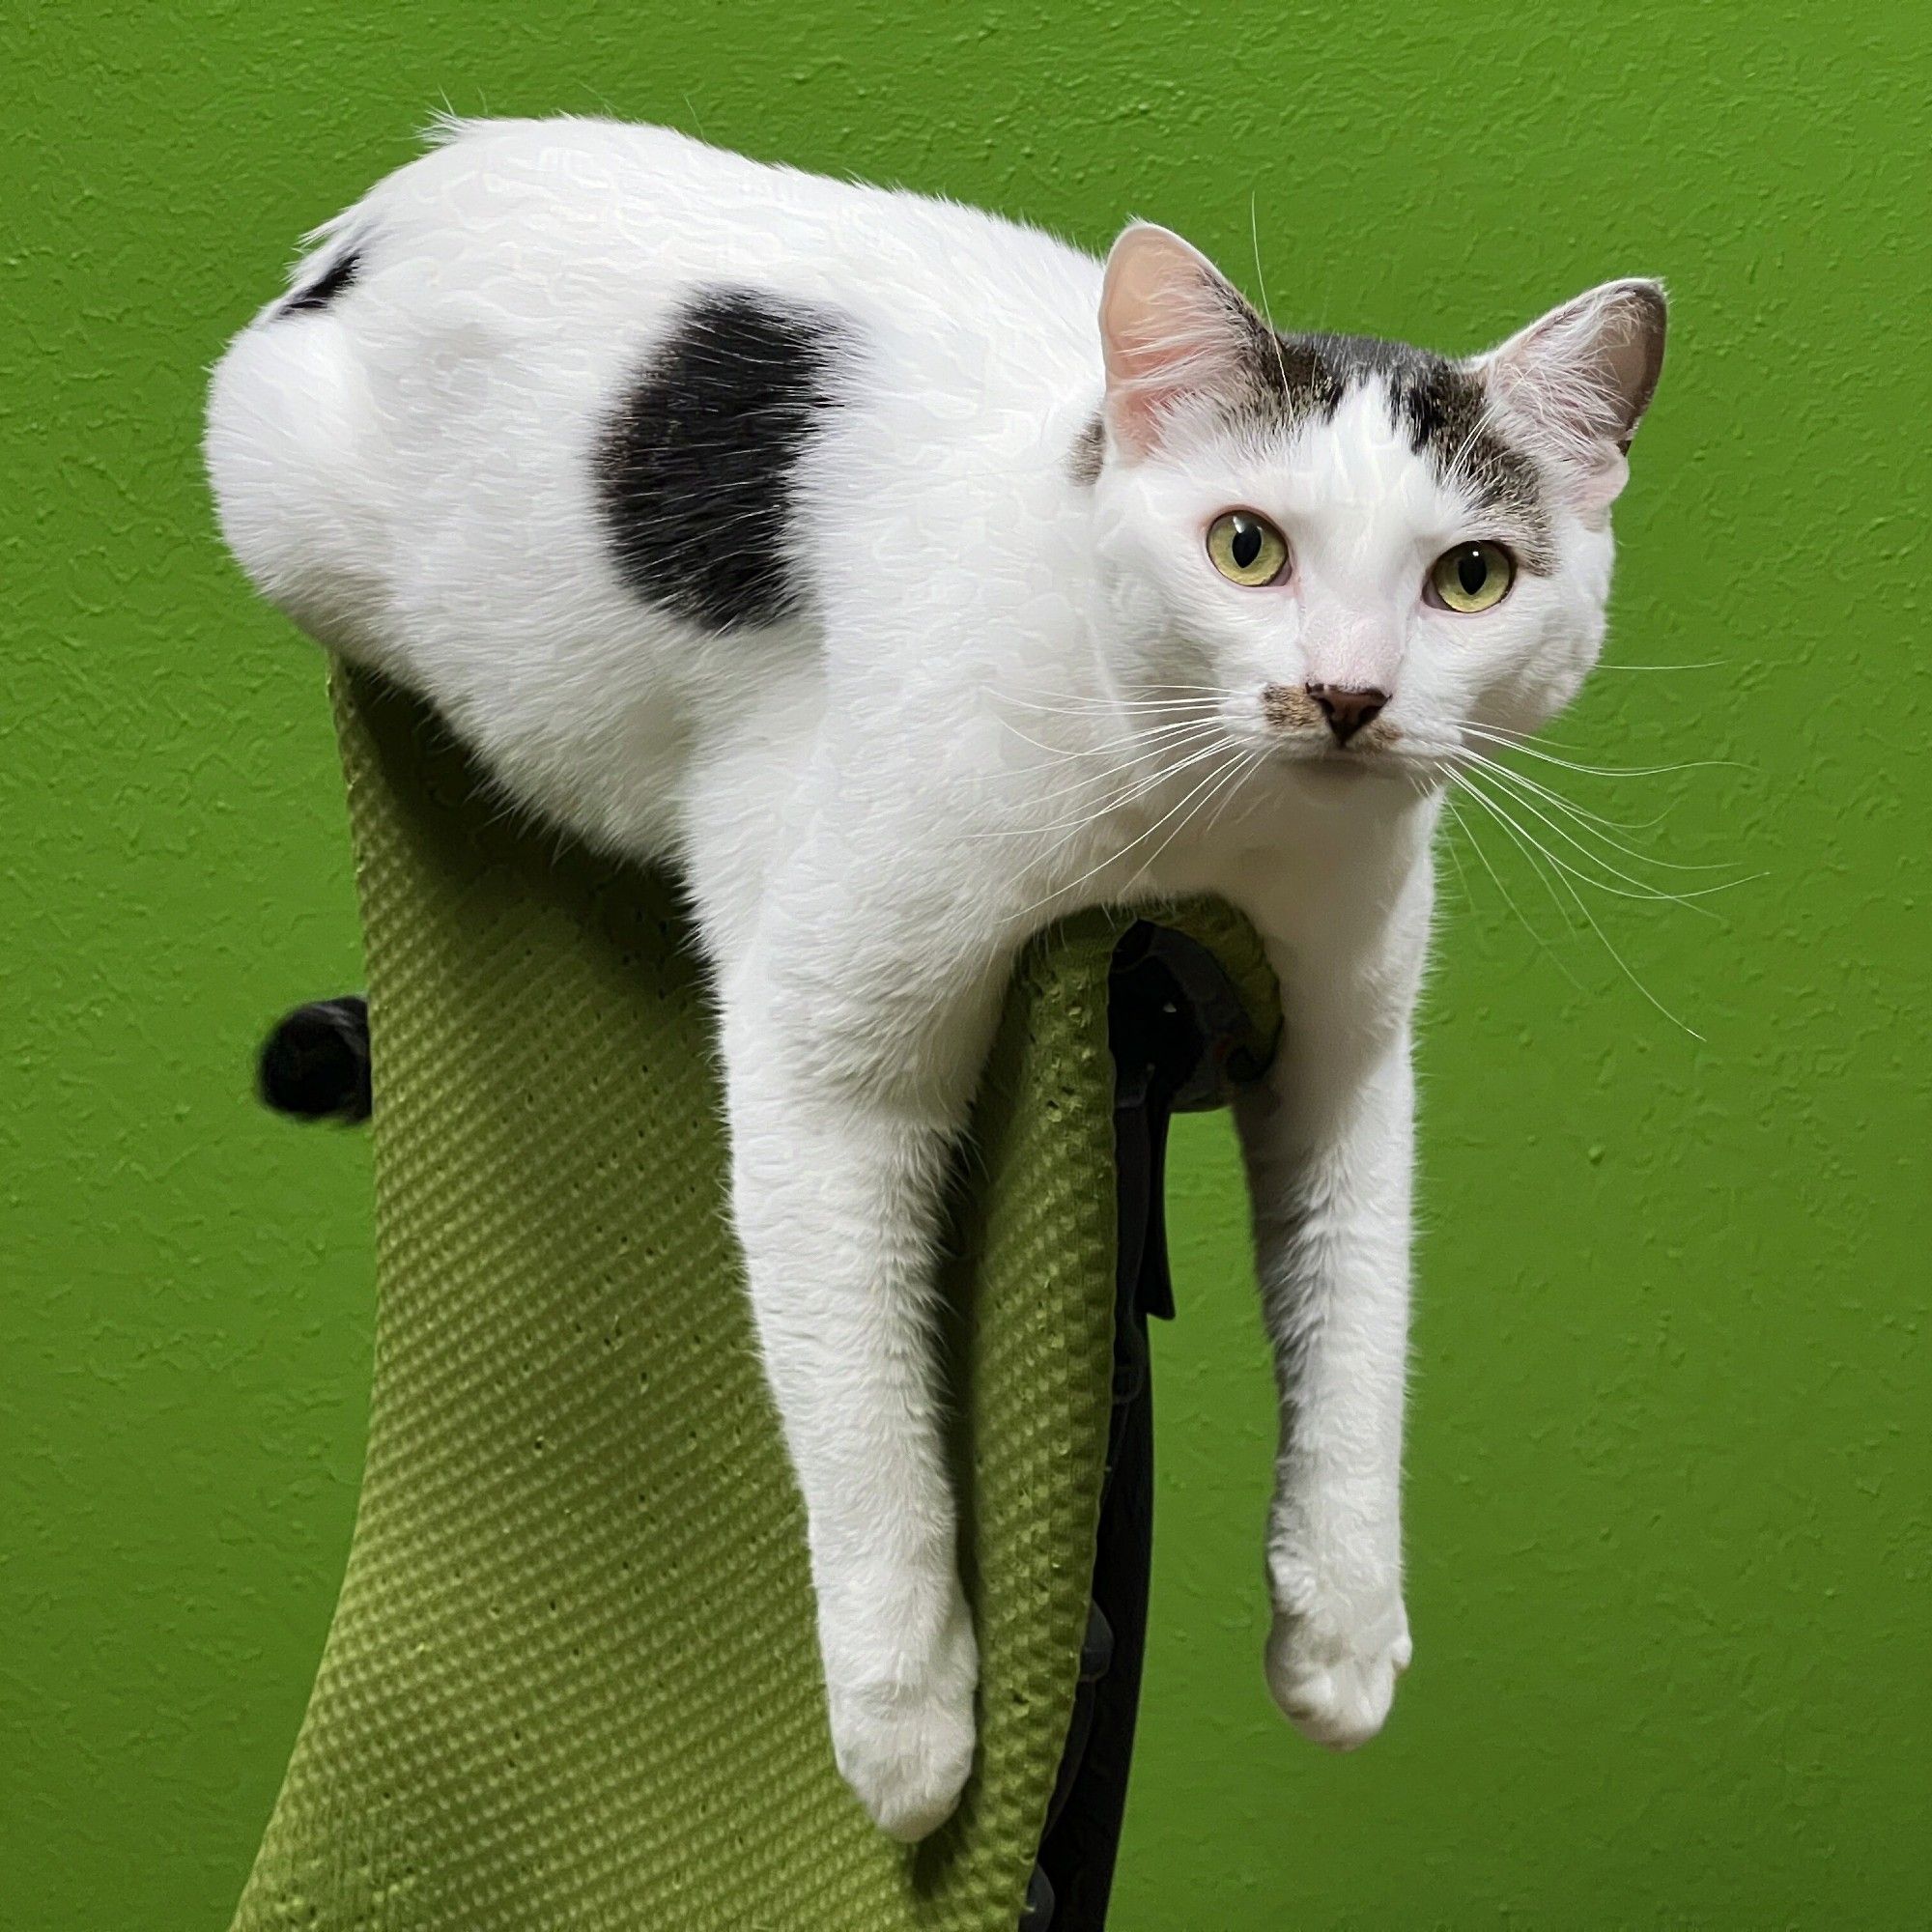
(571, 1681)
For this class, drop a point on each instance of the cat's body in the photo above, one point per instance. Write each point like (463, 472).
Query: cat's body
(799, 534)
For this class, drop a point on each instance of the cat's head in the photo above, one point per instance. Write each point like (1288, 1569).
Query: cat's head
(1349, 550)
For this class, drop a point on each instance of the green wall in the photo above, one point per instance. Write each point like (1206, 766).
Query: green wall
(1668, 1473)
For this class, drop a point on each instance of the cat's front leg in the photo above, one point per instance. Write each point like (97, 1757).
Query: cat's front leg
(850, 1059)
(1329, 1142)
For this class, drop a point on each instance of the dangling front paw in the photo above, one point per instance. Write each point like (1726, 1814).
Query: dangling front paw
(1334, 1675)
(906, 1747)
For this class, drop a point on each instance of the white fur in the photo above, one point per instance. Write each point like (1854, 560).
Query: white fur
(875, 806)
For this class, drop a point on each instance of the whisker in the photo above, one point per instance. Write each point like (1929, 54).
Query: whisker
(1151, 735)
(1486, 419)
(1705, 663)
(1508, 734)
(1416, 786)
(1603, 937)
(1133, 791)
(1137, 784)
(1087, 707)
(1255, 757)
(1234, 767)
(1468, 831)
(1062, 891)
(1605, 771)
(1588, 821)
(1483, 759)
(1261, 282)
(1642, 891)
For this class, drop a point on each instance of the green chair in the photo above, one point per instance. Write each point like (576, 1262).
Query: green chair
(571, 1680)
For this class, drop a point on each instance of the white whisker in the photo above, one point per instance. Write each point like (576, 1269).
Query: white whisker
(1233, 770)
(1603, 771)
(1526, 788)
(1603, 937)
(1060, 891)
(1421, 791)
(1150, 735)
(1468, 781)
(1137, 784)
(1704, 663)
(1468, 831)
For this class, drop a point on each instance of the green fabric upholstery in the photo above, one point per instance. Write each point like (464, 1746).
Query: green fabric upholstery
(571, 1680)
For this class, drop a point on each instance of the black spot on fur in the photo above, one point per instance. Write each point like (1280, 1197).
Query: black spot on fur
(315, 1064)
(697, 468)
(1085, 460)
(1298, 378)
(325, 287)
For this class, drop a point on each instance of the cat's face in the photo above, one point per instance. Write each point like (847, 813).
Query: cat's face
(1346, 553)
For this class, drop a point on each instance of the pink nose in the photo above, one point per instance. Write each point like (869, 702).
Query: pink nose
(1347, 711)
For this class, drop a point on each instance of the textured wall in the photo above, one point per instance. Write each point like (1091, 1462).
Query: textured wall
(1669, 1471)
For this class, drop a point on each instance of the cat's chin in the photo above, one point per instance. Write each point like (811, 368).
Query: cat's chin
(1351, 783)
(1343, 768)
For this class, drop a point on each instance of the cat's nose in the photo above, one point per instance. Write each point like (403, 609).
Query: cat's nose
(1346, 710)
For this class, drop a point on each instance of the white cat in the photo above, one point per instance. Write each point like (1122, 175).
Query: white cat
(909, 578)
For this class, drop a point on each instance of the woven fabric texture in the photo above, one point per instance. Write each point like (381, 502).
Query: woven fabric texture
(571, 1680)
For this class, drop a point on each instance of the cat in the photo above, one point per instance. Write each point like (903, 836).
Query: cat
(909, 578)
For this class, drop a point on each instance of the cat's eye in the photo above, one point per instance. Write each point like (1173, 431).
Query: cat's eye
(1472, 577)
(1246, 549)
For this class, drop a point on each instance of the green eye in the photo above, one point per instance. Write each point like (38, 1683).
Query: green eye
(1471, 576)
(1246, 549)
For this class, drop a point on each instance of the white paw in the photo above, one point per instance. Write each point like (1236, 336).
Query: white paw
(1335, 1679)
(906, 1748)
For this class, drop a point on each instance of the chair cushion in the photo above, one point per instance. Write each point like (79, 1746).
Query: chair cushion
(571, 1679)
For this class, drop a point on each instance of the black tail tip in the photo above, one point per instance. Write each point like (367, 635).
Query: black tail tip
(314, 1066)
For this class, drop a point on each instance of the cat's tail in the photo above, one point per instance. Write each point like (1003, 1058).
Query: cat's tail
(314, 1066)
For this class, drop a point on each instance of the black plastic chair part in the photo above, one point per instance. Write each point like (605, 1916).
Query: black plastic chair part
(314, 1064)
(1179, 1039)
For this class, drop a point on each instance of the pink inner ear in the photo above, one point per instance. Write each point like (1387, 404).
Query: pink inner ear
(1578, 380)
(1170, 326)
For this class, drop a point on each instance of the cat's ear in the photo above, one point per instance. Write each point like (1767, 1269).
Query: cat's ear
(1173, 327)
(1576, 383)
